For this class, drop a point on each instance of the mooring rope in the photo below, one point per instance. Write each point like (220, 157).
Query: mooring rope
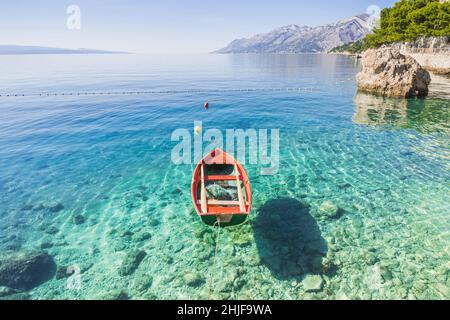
(214, 259)
(148, 92)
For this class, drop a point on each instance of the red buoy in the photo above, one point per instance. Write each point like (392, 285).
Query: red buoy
(206, 105)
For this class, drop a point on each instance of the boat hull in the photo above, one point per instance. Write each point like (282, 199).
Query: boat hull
(214, 220)
(220, 170)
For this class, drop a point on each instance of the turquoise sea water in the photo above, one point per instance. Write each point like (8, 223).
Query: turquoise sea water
(89, 179)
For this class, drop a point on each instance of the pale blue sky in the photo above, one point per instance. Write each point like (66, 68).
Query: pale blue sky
(163, 26)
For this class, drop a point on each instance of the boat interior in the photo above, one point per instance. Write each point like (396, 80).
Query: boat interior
(221, 189)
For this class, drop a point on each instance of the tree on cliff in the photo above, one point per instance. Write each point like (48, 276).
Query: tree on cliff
(409, 19)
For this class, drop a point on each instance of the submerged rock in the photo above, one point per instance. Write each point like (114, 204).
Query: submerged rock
(127, 233)
(78, 219)
(25, 270)
(51, 230)
(387, 72)
(114, 295)
(153, 222)
(55, 207)
(132, 262)
(329, 210)
(46, 245)
(142, 236)
(166, 258)
(121, 245)
(312, 283)
(193, 279)
(62, 272)
(143, 282)
(225, 285)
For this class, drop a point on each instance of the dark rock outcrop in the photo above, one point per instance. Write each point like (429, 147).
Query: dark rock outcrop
(24, 270)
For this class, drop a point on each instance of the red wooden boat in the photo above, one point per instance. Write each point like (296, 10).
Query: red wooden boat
(221, 190)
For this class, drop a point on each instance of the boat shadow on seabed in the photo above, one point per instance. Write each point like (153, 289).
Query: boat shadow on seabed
(288, 239)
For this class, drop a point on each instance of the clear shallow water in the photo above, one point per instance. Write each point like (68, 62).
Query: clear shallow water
(383, 162)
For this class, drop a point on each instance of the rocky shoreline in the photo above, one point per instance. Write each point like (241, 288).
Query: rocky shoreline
(437, 63)
(432, 53)
(347, 54)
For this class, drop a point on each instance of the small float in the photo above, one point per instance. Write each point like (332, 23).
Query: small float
(221, 190)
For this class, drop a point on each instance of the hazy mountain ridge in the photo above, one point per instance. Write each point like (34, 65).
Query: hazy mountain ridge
(16, 49)
(304, 39)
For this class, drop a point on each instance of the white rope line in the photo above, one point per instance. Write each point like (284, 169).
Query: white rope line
(147, 92)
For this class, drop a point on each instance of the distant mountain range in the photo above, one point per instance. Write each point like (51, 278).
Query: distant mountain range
(14, 50)
(304, 39)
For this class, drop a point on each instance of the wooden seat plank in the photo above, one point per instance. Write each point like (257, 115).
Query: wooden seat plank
(239, 189)
(221, 178)
(204, 204)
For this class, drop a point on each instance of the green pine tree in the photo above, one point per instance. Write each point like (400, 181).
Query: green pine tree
(409, 19)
